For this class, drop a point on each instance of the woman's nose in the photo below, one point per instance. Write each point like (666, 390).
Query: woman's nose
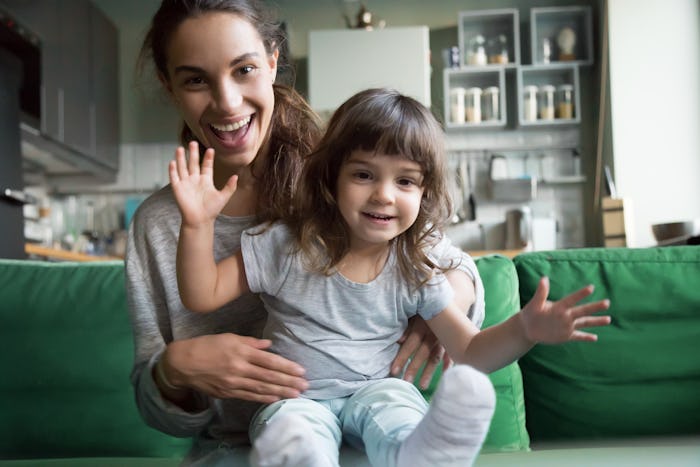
(228, 97)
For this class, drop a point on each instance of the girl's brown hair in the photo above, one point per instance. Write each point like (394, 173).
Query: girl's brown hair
(294, 128)
(387, 122)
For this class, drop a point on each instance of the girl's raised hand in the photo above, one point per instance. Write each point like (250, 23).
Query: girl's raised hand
(556, 322)
(197, 197)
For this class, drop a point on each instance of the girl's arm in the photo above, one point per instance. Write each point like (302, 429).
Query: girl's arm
(539, 321)
(204, 285)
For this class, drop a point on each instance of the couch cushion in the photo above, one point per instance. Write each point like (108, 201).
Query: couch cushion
(65, 389)
(642, 377)
(507, 431)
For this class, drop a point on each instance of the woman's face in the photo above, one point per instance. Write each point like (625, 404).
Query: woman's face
(220, 77)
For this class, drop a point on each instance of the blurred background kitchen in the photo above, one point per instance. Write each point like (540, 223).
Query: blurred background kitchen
(569, 123)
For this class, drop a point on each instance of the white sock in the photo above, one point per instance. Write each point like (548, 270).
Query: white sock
(287, 441)
(453, 430)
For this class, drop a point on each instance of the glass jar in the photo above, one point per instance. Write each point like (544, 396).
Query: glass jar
(472, 105)
(565, 101)
(457, 105)
(530, 103)
(498, 49)
(546, 102)
(476, 52)
(490, 104)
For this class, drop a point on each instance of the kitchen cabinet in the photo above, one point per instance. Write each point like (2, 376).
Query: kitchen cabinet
(561, 34)
(487, 61)
(79, 94)
(343, 62)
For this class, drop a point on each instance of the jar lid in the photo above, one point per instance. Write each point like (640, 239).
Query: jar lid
(491, 90)
(530, 88)
(457, 90)
(547, 88)
(474, 91)
(566, 87)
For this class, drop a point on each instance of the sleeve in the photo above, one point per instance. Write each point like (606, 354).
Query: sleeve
(267, 257)
(446, 255)
(148, 314)
(435, 296)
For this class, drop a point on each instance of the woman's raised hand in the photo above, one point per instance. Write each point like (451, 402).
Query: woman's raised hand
(193, 185)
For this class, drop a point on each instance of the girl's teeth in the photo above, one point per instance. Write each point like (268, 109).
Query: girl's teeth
(232, 126)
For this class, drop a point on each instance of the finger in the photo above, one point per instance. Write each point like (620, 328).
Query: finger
(270, 361)
(230, 188)
(591, 321)
(193, 164)
(540, 297)
(436, 356)
(172, 172)
(589, 308)
(583, 336)
(261, 387)
(575, 297)
(409, 346)
(276, 381)
(181, 162)
(420, 357)
(207, 167)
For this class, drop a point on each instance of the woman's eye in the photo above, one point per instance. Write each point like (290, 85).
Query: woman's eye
(247, 69)
(194, 81)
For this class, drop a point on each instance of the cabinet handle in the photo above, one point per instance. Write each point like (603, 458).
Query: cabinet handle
(18, 196)
(61, 130)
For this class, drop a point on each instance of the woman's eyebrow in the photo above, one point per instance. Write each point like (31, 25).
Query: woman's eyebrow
(234, 62)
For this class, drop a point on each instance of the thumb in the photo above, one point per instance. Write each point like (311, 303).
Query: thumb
(230, 188)
(540, 297)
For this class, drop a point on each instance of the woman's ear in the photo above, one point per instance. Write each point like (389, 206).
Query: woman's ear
(272, 62)
(166, 85)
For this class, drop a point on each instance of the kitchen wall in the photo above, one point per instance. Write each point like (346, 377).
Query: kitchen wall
(655, 105)
(149, 125)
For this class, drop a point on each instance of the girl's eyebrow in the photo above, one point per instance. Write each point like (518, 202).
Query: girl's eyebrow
(233, 63)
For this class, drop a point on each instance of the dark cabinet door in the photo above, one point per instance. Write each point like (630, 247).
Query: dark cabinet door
(104, 88)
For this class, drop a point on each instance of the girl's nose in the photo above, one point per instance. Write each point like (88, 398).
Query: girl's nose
(383, 193)
(228, 97)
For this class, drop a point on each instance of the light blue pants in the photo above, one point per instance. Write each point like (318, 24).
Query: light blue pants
(376, 418)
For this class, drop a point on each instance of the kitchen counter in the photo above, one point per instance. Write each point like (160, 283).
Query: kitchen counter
(64, 255)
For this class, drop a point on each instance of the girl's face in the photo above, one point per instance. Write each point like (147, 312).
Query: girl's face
(220, 77)
(379, 196)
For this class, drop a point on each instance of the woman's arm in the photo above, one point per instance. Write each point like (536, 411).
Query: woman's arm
(540, 321)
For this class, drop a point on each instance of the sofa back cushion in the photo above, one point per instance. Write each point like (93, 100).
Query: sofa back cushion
(507, 431)
(65, 389)
(642, 376)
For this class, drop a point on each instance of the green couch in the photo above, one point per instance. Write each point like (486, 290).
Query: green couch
(633, 397)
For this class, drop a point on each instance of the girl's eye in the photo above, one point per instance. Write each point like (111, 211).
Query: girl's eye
(362, 175)
(407, 182)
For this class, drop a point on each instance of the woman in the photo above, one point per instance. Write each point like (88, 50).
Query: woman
(204, 375)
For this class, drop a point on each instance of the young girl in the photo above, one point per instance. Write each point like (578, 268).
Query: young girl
(341, 276)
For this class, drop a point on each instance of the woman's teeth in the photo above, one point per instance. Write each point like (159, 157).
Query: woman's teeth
(232, 126)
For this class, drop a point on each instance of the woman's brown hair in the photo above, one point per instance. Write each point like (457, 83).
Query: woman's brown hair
(383, 121)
